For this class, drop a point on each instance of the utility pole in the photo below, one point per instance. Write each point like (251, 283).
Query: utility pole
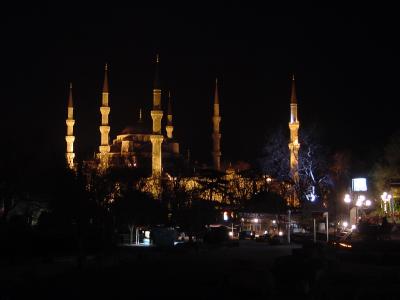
(288, 236)
(315, 232)
(327, 228)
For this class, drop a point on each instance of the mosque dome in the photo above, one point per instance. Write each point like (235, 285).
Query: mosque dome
(138, 128)
(128, 130)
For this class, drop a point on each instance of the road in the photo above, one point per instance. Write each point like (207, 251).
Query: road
(251, 270)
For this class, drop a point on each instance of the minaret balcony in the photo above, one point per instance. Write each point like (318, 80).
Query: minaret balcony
(70, 138)
(105, 110)
(104, 149)
(104, 129)
(156, 115)
(70, 122)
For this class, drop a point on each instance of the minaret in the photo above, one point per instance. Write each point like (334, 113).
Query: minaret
(104, 147)
(70, 138)
(294, 125)
(169, 128)
(156, 114)
(140, 116)
(216, 136)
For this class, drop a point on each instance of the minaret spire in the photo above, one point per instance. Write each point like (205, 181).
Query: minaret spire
(104, 147)
(293, 97)
(169, 111)
(294, 125)
(216, 99)
(70, 100)
(70, 138)
(156, 84)
(156, 114)
(169, 128)
(216, 135)
(105, 83)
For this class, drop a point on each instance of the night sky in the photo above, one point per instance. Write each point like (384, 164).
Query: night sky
(346, 62)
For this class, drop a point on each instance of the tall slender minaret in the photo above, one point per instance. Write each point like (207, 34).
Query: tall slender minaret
(294, 125)
(156, 114)
(104, 147)
(169, 128)
(216, 136)
(70, 138)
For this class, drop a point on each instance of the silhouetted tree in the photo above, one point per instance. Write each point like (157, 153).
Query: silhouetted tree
(185, 207)
(197, 215)
(266, 202)
(72, 209)
(243, 186)
(340, 174)
(212, 182)
(138, 208)
(314, 181)
(387, 167)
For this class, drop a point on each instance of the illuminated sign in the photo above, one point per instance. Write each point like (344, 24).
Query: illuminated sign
(359, 184)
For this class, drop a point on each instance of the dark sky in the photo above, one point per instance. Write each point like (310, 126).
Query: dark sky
(346, 61)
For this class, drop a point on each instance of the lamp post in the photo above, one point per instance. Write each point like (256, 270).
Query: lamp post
(386, 198)
(327, 227)
(361, 202)
(256, 225)
(315, 231)
(347, 200)
(289, 221)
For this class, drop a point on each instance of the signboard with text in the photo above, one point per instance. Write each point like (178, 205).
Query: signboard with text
(359, 184)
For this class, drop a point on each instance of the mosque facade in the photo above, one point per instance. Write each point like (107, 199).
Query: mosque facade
(156, 149)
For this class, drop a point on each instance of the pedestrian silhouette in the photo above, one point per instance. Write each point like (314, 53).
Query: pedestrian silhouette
(385, 229)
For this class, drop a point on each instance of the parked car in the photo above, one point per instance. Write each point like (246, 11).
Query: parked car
(264, 238)
(246, 235)
(216, 235)
(164, 236)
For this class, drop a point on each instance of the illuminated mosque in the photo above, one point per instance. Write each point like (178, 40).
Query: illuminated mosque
(158, 150)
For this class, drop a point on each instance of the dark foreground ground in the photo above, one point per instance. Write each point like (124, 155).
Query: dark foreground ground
(250, 270)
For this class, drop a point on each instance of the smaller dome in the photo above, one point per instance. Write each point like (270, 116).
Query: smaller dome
(140, 128)
(128, 130)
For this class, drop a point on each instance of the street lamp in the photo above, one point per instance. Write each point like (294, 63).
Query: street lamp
(347, 200)
(360, 203)
(255, 220)
(386, 199)
(360, 200)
